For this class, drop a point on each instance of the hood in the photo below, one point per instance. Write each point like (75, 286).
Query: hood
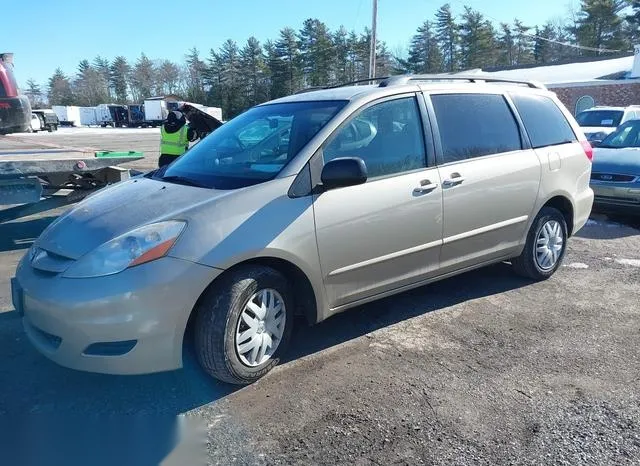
(116, 210)
(622, 161)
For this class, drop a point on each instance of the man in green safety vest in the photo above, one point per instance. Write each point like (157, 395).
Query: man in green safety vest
(175, 135)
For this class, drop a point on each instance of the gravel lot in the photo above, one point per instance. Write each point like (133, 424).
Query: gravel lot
(483, 368)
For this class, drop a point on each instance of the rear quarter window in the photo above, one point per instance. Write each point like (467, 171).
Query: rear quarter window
(474, 125)
(544, 121)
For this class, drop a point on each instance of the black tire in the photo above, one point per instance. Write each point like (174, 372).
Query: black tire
(526, 264)
(50, 128)
(217, 315)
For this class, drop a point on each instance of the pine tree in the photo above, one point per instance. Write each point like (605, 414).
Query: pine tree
(633, 22)
(599, 25)
(143, 78)
(196, 71)
(59, 89)
(385, 63)
(542, 49)
(447, 33)
(90, 89)
(168, 77)
(213, 79)
(316, 52)
(341, 56)
(523, 43)
(101, 65)
(287, 72)
(477, 40)
(232, 98)
(424, 52)
(253, 73)
(119, 79)
(506, 45)
(34, 93)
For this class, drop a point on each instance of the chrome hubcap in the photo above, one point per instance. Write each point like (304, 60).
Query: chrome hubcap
(549, 245)
(260, 327)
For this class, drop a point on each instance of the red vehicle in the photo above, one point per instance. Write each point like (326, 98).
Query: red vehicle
(15, 110)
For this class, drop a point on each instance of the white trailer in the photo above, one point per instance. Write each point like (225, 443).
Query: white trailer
(155, 111)
(103, 115)
(68, 115)
(88, 116)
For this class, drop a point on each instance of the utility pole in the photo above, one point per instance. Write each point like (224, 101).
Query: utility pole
(372, 45)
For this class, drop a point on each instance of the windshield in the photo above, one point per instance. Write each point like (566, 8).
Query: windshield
(627, 135)
(253, 147)
(603, 118)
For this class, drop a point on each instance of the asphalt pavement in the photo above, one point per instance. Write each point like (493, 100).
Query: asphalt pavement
(482, 368)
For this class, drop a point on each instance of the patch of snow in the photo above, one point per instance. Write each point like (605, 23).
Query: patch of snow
(87, 130)
(577, 265)
(631, 262)
(571, 72)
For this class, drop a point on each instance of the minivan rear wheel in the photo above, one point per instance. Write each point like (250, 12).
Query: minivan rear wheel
(545, 247)
(243, 324)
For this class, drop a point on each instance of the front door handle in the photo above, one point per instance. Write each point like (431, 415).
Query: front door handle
(455, 180)
(426, 186)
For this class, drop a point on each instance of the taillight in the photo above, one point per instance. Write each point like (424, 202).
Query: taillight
(588, 150)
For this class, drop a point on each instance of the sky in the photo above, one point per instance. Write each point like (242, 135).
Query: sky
(45, 34)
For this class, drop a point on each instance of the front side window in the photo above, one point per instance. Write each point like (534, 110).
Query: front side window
(474, 125)
(387, 136)
(253, 147)
(544, 121)
(603, 118)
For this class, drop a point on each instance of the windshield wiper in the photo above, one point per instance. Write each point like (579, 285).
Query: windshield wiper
(182, 180)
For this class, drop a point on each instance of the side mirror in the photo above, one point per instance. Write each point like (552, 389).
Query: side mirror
(595, 142)
(342, 172)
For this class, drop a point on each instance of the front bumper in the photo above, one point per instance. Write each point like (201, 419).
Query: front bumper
(623, 198)
(129, 323)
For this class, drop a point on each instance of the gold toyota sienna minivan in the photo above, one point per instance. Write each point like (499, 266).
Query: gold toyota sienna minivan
(310, 204)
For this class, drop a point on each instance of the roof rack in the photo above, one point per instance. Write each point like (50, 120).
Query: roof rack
(335, 86)
(473, 78)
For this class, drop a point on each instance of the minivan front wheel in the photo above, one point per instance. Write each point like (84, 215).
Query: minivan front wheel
(545, 247)
(243, 324)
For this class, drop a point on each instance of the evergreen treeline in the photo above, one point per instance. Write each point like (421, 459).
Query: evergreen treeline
(237, 76)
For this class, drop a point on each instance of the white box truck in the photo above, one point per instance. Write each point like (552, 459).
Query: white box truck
(155, 112)
(68, 115)
(103, 115)
(88, 116)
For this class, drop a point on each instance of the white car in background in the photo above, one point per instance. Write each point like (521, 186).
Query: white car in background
(598, 122)
(36, 123)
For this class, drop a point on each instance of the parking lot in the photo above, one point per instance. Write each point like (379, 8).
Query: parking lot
(483, 368)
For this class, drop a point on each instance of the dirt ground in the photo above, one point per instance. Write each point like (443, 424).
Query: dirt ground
(483, 368)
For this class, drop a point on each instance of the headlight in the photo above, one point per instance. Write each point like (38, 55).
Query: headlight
(136, 247)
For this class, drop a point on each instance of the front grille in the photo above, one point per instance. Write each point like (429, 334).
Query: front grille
(613, 177)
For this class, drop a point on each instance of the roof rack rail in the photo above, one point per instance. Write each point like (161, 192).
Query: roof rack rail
(335, 86)
(473, 78)
(358, 81)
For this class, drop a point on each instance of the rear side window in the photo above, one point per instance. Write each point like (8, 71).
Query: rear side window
(473, 125)
(544, 121)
